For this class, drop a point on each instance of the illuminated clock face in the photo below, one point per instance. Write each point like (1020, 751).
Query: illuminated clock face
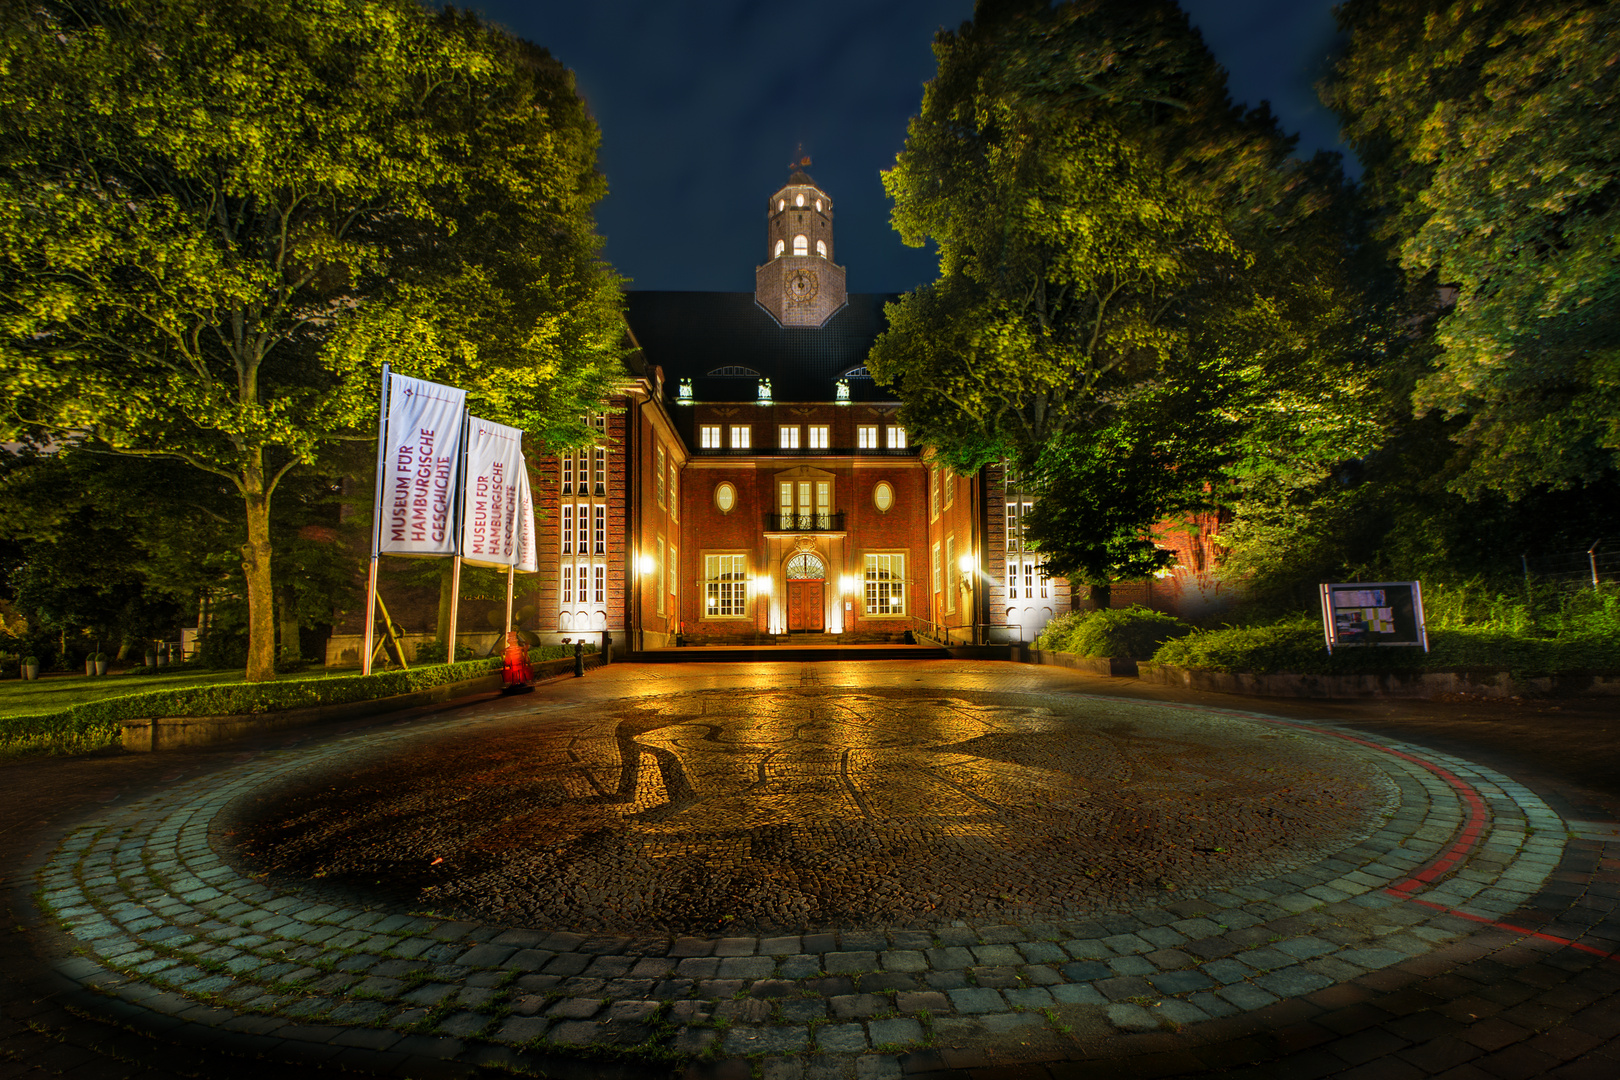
(801, 285)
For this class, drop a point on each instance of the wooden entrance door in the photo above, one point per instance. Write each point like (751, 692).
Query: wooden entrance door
(806, 612)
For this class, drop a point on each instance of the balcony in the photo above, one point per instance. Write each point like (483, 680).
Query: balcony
(804, 523)
(820, 451)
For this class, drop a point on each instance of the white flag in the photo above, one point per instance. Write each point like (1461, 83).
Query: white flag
(494, 472)
(528, 556)
(421, 449)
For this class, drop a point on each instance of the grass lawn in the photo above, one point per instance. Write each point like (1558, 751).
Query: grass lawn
(53, 692)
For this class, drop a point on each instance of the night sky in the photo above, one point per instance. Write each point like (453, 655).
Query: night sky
(702, 106)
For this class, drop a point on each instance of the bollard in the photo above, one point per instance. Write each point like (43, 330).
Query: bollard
(607, 647)
(579, 658)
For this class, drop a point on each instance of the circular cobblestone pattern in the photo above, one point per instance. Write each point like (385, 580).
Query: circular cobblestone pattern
(806, 809)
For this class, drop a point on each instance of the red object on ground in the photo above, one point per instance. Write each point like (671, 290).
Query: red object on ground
(515, 663)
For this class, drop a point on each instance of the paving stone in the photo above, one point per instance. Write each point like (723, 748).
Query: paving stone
(746, 967)
(575, 1009)
(924, 1001)
(766, 1040)
(976, 1000)
(904, 960)
(899, 1031)
(841, 1039)
(836, 963)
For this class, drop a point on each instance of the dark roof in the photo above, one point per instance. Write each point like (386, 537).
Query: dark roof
(690, 334)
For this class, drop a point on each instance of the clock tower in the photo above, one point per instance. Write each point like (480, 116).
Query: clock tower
(800, 285)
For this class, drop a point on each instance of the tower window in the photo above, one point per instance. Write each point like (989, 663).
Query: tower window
(781, 246)
(798, 200)
(801, 245)
(781, 205)
(818, 206)
(821, 248)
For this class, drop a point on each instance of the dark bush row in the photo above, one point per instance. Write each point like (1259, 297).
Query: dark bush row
(97, 724)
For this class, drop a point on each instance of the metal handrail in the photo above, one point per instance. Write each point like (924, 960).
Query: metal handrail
(804, 523)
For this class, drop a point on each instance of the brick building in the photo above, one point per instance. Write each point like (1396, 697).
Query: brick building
(754, 483)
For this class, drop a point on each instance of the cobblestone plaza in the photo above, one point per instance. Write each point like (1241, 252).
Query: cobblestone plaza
(804, 870)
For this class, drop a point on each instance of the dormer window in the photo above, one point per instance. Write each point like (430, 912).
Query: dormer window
(781, 246)
(801, 245)
(798, 200)
(821, 248)
(685, 391)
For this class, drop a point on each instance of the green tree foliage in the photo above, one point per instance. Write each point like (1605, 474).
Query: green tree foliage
(1141, 293)
(217, 219)
(1488, 130)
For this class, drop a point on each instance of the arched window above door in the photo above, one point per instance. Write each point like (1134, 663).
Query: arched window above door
(806, 567)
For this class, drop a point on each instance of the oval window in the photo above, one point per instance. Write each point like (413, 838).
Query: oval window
(798, 200)
(883, 496)
(725, 497)
(818, 206)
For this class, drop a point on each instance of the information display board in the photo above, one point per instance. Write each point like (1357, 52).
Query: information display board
(1373, 613)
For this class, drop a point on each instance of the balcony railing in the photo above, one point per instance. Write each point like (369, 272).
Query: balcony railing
(804, 523)
(805, 451)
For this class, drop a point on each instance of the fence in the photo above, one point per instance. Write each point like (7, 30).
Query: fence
(1573, 570)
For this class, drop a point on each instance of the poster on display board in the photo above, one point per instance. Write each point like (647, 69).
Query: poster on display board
(1373, 613)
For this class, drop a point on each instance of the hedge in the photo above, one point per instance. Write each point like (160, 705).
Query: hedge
(1296, 646)
(1134, 632)
(99, 724)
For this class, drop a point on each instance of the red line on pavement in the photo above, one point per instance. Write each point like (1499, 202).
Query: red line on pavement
(1466, 839)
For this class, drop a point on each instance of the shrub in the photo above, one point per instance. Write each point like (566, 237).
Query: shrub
(1124, 632)
(1296, 645)
(432, 652)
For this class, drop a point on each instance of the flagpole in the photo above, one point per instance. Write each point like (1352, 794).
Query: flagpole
(461, 529)
(376, 525)
(455, 608)
(511, 572)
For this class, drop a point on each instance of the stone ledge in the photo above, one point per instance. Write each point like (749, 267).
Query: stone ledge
(150, 734)
(1121, 666)
(1425, 684)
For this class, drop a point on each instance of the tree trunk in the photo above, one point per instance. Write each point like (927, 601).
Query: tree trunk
(261, 653)
(447, 597)
(290, 649)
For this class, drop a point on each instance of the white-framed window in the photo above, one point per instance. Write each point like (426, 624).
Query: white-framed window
(821, 248)
(781, 246)
(568, 473)
(818, 437)
(1017, 523)
(948, 478)
(725, 586)
(567, 582)
(883, 496)
(601, 530)
(951, 572)
(725, 497)
(568, 529)
(1026, 579)
(601, 470)
(709, 436)
(795, 508)
(801, 245)
(866, 436)
(741, 436)
(787, 436)
(659, 482)
(674, 491)
(674, 578)
(885, 584)
(939, 581)
(897, 437)
(661, 583)
(601, 583)
(933, 492)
